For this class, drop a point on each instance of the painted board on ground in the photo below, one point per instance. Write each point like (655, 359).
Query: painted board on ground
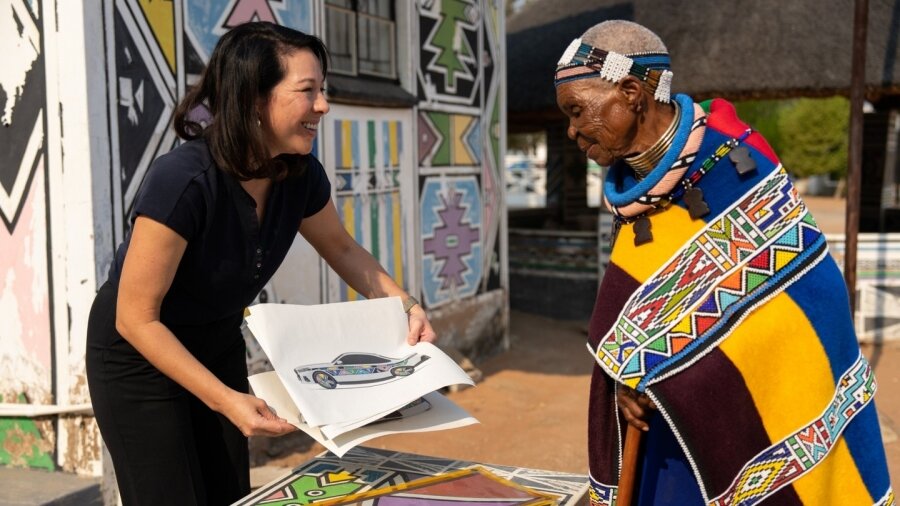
(362, 469)
(466, 487)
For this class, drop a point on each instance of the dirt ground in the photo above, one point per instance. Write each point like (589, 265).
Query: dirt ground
(532, 402)
(532, 405)
(885, 360)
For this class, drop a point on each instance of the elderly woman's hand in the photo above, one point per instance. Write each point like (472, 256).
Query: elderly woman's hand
(419, 327)
(636, 407)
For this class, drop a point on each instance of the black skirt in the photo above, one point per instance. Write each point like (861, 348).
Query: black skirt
(166, 445)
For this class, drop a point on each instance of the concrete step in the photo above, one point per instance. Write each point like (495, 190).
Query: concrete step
(36, 487)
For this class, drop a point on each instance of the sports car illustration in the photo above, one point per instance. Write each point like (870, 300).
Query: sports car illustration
(356, 368)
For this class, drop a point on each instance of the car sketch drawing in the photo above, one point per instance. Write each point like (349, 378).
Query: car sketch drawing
(356, 368)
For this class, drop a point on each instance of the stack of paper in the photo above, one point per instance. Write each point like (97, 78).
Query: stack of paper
(344, 373)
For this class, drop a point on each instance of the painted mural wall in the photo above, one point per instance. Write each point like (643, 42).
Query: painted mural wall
(47, 274)
(459, 148)
(143, 59)
(25, 289)
(87, 106)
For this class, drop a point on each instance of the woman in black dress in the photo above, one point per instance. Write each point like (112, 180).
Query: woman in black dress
(213, 220)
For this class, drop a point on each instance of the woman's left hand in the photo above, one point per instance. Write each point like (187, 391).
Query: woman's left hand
(636, 407)
(419, 327)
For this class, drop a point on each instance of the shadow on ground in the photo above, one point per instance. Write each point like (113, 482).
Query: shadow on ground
(544, 346)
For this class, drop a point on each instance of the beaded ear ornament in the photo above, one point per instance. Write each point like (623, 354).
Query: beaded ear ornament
(581, 61)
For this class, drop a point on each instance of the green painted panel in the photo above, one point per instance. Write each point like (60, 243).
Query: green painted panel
(22, 444)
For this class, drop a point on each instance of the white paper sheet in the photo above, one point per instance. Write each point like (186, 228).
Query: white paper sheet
(443, 414)
(304, 342)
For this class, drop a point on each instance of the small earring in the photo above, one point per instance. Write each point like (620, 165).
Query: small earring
(258, 122)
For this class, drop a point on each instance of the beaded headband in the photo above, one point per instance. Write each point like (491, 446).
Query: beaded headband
(581, 61)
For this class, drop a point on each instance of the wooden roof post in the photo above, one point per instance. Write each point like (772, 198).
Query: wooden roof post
(854, 167)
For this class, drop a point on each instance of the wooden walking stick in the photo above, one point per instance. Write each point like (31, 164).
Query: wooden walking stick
(629, 465)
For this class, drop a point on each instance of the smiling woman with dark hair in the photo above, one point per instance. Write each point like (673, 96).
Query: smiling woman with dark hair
(213, 220)
(247, 66)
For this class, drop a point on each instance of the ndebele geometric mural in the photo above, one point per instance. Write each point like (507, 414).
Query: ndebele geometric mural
(449, 61)
(451, 238)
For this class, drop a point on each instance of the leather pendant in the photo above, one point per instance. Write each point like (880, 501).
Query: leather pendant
(642, 234)
(614, 233)
(740, 157)
(697, 207)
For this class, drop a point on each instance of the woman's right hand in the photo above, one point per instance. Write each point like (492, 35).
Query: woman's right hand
(253, 417)
(636, 407)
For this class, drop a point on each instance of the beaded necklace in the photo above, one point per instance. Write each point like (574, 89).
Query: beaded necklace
(661, 175)
(643, 163)
(687, 189)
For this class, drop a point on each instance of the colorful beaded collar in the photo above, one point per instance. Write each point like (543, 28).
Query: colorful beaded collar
(687, 189)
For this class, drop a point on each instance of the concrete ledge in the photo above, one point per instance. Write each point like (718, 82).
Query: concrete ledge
(34, 487)
(475, 326)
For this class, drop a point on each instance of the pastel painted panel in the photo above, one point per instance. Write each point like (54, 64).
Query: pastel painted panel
(207, 20)
(25, 343)
(160, 15)
(451, 211)
(449, 139)
(367, 155)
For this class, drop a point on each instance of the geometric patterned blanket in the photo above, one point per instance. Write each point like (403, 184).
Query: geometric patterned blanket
(737, 326)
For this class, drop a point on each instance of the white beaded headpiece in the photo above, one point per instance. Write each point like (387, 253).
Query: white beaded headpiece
(581, 60)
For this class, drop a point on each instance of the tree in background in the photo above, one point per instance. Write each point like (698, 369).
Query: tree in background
(814, 135)
(809, 135)
(763, 116)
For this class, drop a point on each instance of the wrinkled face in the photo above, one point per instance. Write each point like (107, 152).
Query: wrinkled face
(290, 118)
(600, 119)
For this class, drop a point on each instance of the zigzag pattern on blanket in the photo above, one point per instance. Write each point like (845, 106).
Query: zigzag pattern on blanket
(782, 463)
(736, 255)
(602, 494)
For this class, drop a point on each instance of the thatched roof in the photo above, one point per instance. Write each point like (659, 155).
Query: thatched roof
(737, 50)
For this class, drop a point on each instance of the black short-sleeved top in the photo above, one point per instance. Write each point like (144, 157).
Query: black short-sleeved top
(229, 256)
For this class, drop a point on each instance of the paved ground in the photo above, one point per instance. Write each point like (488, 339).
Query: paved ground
(532, 403)
(38, 487)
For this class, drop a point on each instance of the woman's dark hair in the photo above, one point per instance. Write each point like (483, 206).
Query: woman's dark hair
(244, 67)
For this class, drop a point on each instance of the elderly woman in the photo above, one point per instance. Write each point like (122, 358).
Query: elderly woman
(212, 222)
(721, 327)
